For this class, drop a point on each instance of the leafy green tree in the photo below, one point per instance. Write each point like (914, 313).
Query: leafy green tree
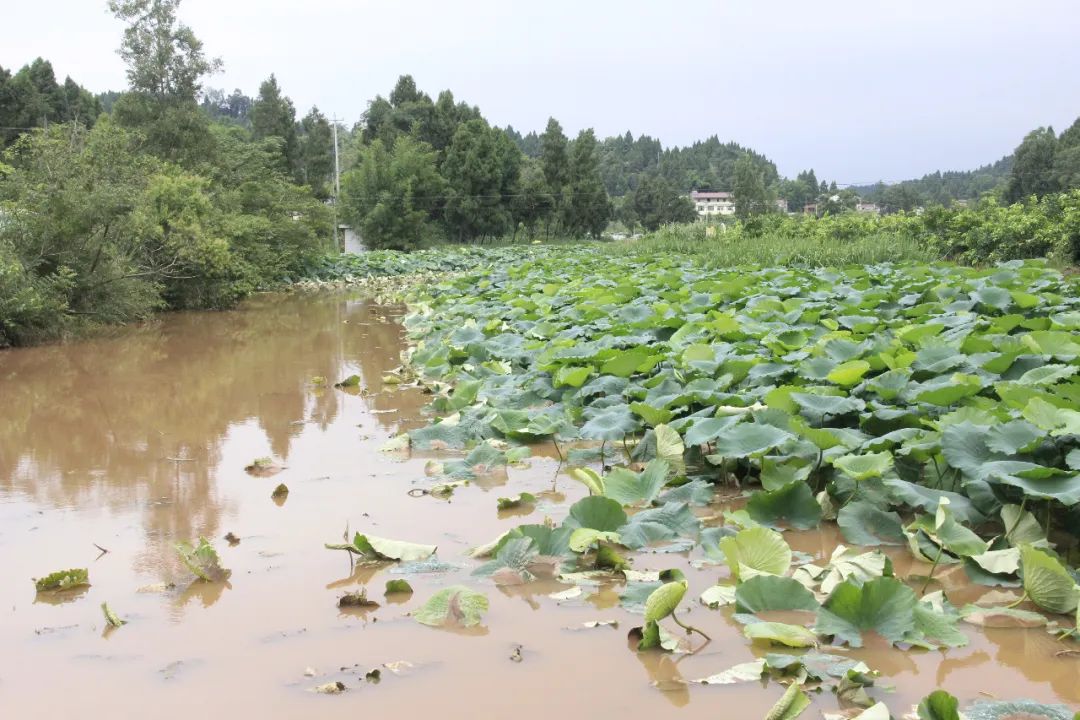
(585, 204)
(274, 116)
(899, 198)
(480, 169)
(390, 197)
(316, 152)
(166, 65)
(751, 196)
(655, 202)
(1033, 166)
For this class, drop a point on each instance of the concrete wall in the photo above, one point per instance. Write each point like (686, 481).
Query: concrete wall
(353, 243)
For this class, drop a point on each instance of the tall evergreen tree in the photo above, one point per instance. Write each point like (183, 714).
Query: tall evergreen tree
(751, 196)
(274, 116)
(316, 152)
(480, 163)
(585, 207)
(1033, 166)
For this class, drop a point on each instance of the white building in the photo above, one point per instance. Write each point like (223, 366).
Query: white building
(710, 204)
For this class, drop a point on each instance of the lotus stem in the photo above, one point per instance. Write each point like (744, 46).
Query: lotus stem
(1022, 599)
(689, 628)
(926, 584)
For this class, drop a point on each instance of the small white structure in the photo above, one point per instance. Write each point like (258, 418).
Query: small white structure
(709, 204)
(351, 242)
(868, 207)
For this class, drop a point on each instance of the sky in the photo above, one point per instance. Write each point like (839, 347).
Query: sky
(859, 91)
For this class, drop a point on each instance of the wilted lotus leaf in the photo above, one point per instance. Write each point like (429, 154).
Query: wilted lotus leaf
(202, 560)
(455, 605)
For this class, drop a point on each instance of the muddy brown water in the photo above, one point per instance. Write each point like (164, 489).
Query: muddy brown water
(138, 440)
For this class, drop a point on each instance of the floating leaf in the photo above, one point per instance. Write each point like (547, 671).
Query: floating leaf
(781, 633)
(453, 605)
(520, 500)
(790, 705)
(377, 548)
(743, 672)
(398, 587)
(202, 560)
(111, 618)
(63, 580)
(1017, 710)
(883, 605)
(763, 593)
(598, 513)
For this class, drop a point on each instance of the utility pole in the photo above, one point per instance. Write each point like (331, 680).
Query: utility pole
(337, 183)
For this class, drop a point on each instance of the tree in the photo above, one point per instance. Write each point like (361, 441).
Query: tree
(1033, 166)
(274, 116)
(751, 197)
(655, 202)
(534, 203)
(585, 204)
(165, 68)
(316, 152)
(480, 169)
(555, 158)
(390, 196)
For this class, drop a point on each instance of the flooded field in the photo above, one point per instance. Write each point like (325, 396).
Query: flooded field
(115, 449)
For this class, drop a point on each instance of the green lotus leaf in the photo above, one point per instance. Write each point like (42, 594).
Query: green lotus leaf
(781, 633)
(705, 430)
(746, 439)
(667, 522)
(848, 373)
(763, 593)
(571, 376)
(864, 523)
(790, 705)
(1017, 710)
(630, 488)
(938, 705)
(756, 551)
(612, 423)
(202, 560)
(598, 513)
(793, 503)
(456, 604)
(64, 580)
(864, 467)
(1047, 582)
(1047, 374)
(377, 548)
(883, 605)
(515, 554)
(669, 447)
(589, 478)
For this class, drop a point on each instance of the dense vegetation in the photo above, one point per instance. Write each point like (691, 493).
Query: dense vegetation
(985, 232)
(109, 218)
(918, 406)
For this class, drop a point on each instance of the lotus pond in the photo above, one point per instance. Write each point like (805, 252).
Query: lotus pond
(596, 484)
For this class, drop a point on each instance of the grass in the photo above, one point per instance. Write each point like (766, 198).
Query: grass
(736, 247)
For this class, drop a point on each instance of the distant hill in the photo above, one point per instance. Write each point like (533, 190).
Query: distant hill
(943, 187)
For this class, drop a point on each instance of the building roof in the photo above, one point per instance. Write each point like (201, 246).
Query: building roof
(697, 195)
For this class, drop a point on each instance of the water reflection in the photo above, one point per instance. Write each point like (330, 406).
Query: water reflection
(138, 420)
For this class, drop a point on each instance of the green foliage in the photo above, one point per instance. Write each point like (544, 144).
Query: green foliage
(63, 580)
(455, 605)
(202, 560)
(390, 196)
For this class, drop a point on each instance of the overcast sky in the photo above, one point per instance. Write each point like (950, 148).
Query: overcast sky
(860, 91)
